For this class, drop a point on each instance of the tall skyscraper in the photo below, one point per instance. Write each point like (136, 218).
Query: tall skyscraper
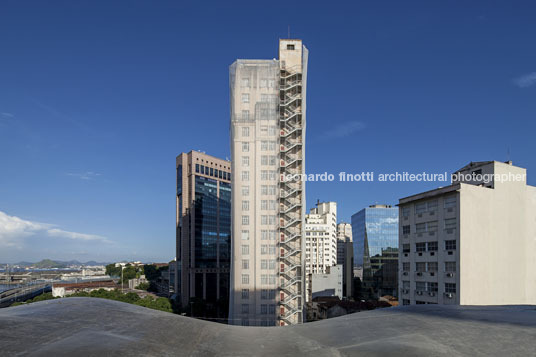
(375, 235)
(345, 256)
(267, 149)
(320, 239)
(203, 229)
(472, 242)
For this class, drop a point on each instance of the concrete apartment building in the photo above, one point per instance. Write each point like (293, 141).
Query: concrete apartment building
(470, 243)
(326, 284)
(345, 256)
(320, 240)
(267, 147)
(203, 224)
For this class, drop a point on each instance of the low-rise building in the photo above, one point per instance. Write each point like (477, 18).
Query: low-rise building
(65, 289)
(327, 284)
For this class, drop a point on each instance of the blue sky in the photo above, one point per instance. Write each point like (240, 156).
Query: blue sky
(98, 97)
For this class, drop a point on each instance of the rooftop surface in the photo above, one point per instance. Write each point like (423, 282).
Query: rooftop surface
(98, 327)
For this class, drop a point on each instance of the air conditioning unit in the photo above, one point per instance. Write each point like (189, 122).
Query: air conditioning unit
(419, 274)
(450, 275)
(432, 273)
(449, 295)
(405, 273)
(432, 253)
(431, 293)
(419, 292)
(405, 291)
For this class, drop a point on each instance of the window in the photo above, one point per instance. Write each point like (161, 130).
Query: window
(245, 114)
(245, 264)
(245, 97)
(264, 160)
(420, 208)
(264, 279)
(431, 226)
(245, 205)
(420, 286)
(264, 264)
(405, 266)
(405, 248)
(405, 284)
(406, 229)
(450, 201)
(290, 47)
(450, 244)
(420, 227)
(450, 267)
(405, 302)
(271, 308)
(450, 287)
(271, 130)
(405, 212)
(245, 161)
(432, 205)
(420, 267)
(432, 266)
(245, 278)
(264, 294)
(245, 175)
(432, 246)
(450, 223)
(420, 247)
(245, 322)
(245, 308)
(263, 83)
(264, 174)
(419, 302)
(245, 220)
(245, 294)
(245, 131)
(197, 168)
(264, 234)
(245, 147)
(245, 249)
(264, 309)
(245, 234)
(432, 287)
(264, 249)
(245, 190)
(245, 82)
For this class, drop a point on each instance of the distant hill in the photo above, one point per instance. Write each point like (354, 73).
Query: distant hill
(47, 264)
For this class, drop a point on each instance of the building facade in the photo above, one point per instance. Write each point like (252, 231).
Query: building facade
(203, 228)
(267, 147)
(320, 240)
(375, 236)
(345, 257)
(470, 243)
(326, 284)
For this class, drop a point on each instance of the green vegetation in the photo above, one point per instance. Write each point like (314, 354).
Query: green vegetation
(160, 303)
(150, 302)
(143, 286)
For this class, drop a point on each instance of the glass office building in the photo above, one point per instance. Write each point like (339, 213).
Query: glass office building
(375, 236)
(202, 271)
